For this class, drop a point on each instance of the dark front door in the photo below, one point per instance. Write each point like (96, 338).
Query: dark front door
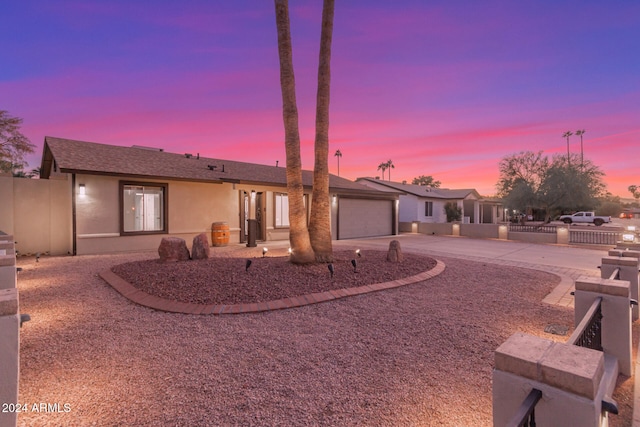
(259, 215)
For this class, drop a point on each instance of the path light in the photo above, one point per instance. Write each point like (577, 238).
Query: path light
(330, 267)
(355, 265)
(290, 250)
(358, 253)
(264, 252)
(630, 235)
(247, 265)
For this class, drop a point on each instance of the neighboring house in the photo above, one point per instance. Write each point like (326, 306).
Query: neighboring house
(419, 203)
(112, 198)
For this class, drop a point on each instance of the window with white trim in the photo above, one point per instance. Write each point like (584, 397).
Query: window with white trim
(282, 210)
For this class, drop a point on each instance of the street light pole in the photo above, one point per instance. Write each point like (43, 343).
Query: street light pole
(580, 133)
(567, 134)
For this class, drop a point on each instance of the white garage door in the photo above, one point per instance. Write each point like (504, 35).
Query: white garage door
(364, 218)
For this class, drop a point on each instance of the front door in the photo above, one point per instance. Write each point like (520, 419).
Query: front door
(259, 215)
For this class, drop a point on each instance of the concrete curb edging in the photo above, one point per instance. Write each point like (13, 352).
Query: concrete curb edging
(147, 300)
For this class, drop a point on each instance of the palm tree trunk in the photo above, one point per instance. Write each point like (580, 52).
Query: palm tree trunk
(301, 250)
(320, 220)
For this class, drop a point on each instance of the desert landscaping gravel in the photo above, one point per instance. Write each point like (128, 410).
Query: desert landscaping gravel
(225, 280)
(418, 355)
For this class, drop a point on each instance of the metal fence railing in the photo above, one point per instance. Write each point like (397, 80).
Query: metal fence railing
(595, 237)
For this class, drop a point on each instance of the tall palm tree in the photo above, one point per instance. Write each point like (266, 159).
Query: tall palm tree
(580, 133)
(390, 166)
(382, 166)
(320, 218)
(301, 250)
(567, 134)
(338, 154)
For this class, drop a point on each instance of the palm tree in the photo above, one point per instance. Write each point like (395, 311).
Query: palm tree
(390, 166)
(567, 134)
(320, 217)
(301, 250)
(338, 154)
(382, 166)
(580, 133)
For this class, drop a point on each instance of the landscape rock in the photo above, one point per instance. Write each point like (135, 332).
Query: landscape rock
(395, 253)
(200, 248)
(173, 249)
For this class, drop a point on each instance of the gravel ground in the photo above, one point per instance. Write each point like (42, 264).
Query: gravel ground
(419, 355)
(227, 280)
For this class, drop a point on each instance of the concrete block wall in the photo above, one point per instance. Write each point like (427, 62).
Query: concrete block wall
(571, 379)
(9, 332)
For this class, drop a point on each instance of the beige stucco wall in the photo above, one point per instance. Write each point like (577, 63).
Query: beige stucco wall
(38, 214)
(192, 208)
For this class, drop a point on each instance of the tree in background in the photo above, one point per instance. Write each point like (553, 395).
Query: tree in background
(320, 216)
(338, 155)
(530, 181)
(635, 191)
(427, 181)
(14, 146)
(383, 167)
(390, 166)
(452, 211)
(301, 250)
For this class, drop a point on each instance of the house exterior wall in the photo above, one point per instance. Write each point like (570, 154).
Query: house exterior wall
(192, 209)
(412, 208)
(50, 216)
(409, 208)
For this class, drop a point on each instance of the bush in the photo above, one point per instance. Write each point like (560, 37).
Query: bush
(453, 211)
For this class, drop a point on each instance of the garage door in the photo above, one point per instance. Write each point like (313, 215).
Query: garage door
(364, 218)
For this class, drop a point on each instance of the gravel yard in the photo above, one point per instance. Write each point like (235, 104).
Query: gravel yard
(419, 355)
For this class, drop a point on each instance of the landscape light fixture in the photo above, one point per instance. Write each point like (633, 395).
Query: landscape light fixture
(331, 270)
(82, 190)
(247, 265)
(290, 250)
(358, 253)
(630, 235)
(264, 252)
(355, 265)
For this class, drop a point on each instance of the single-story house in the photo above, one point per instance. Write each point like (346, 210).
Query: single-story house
(419, 203)
(113, 198)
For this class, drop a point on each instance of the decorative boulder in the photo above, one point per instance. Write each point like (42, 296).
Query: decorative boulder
(173, 249)
(395, 253)
(200, 248)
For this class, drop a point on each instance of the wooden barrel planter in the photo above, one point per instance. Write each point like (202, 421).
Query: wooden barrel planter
(219, 234)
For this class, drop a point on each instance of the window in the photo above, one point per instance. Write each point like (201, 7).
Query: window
(428, 208)
(282, 210)
(144, 208)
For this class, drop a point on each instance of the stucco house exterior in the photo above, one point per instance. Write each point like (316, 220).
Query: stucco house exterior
(419, 203)
(112, 198)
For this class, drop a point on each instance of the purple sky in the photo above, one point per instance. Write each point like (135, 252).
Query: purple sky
(442, 88)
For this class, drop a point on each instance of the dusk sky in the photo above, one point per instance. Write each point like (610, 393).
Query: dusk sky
(442, 88)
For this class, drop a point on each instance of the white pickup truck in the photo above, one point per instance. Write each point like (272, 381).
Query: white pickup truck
(585, 218)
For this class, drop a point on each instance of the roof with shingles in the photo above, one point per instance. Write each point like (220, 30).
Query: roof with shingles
(424, 191)
(71, 156)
